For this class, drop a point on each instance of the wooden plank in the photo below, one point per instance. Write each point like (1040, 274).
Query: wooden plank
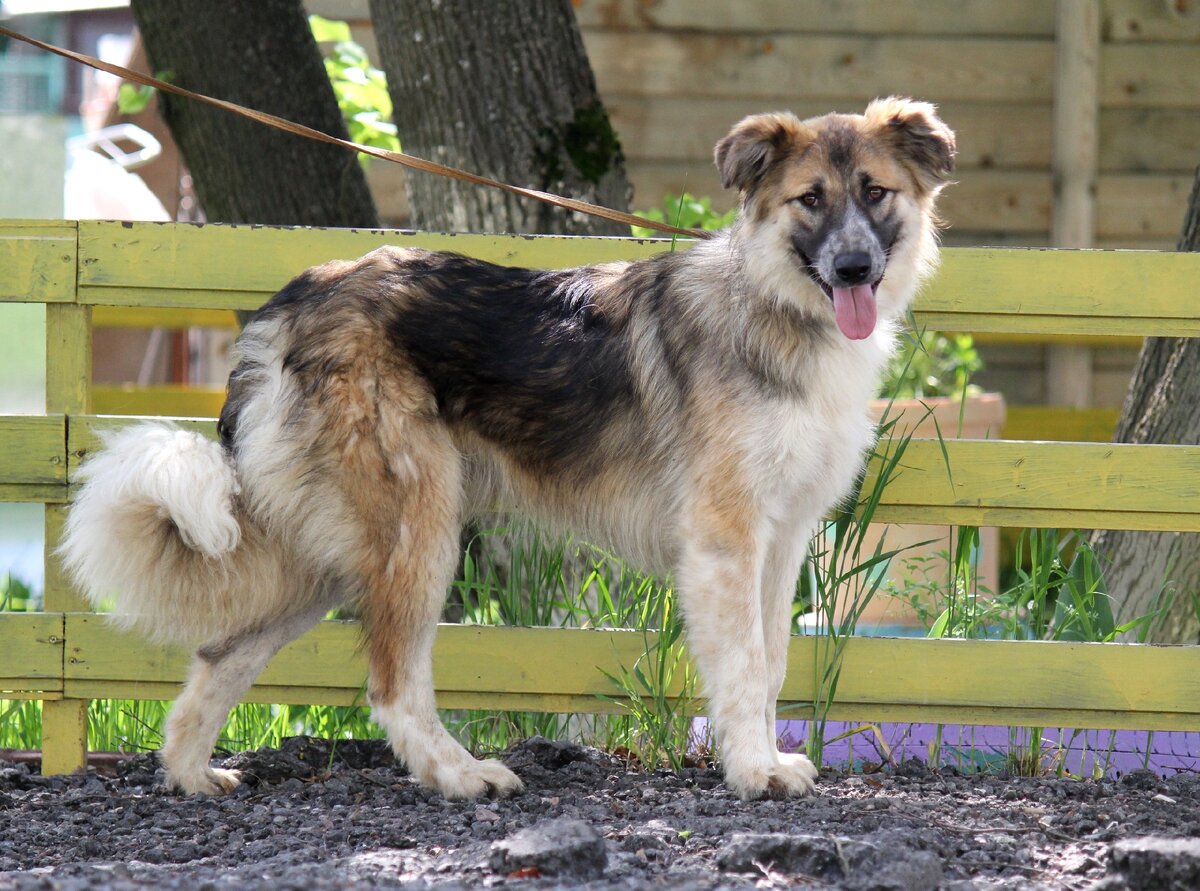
(166, 400)
(842, 68)
(991, 136)
(1149, 140)
(1010, 483)
(121, 258)
(1043, 422)
(1140, 20)
(37, 261)
(68, 384)
(514, 660)
(950, 17)
(31, 658)
(33, 450)
(685, 128)
(999, 201)
(1094, 485)
(1076, 123)
(974, 681)
(1130, 207)
(18, 494)
(981, 289)
(1161, 75)
(150, 317)
(1141, 205)
(1077, 292)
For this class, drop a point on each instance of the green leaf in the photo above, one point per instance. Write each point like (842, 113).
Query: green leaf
(327, 30)
(133, 98)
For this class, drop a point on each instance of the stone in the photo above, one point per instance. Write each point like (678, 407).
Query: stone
(1154, 863)
(565, 848)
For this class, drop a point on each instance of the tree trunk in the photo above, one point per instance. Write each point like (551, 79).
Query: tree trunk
(258, 53)
(502, 89)
(1160, 408)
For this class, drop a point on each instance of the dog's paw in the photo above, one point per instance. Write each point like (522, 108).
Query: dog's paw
(477, 779)
(793, 777)
(209, 781)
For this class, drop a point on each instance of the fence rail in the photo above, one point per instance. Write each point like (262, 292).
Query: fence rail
(66, 656)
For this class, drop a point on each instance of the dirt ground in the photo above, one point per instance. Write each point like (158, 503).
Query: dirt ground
(309, 817)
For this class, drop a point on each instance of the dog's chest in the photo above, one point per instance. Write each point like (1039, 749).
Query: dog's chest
(815, 444)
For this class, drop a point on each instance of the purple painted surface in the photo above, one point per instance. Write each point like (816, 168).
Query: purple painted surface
(1078, 752)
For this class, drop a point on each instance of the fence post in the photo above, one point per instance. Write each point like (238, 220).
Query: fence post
(1077, 51)
(68, 388)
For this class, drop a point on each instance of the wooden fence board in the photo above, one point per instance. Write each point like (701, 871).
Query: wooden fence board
(1009, 483)
(842, 68)
(32, 656)
(1139, 20)
(950, 17)
(1163, 75)
(1095, 484)
(1067, 684)
(37, 261)
(246, 262)
(991, 136)
(32, 450)
(1034, 291)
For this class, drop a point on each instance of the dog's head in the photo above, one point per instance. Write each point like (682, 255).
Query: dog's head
(841, 202)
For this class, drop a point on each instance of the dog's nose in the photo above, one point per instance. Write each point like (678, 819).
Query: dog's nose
(852, 267)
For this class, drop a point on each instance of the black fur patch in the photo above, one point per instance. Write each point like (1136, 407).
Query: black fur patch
(521, 357)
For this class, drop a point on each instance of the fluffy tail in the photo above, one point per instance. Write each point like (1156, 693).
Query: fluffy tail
(157, 533)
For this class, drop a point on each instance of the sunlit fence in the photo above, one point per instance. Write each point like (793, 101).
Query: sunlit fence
(66, 656)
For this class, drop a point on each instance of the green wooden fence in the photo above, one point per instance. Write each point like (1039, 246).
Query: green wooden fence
(66, 656)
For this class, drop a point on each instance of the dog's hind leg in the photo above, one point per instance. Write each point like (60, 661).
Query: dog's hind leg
(412, 519)
(221, 673)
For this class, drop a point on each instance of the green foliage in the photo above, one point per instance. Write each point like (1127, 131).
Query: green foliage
(685, 211)
(15, 595)
(932, 364)
(133, 98)
(661, 729)
(361, 88)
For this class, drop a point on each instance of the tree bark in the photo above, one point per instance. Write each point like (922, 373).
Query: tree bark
(502, 89)
(1160, 408)
(258, 53)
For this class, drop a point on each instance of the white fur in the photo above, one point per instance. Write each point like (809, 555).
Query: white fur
(145, 477)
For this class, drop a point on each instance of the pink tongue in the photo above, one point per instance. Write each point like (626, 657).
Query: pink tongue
(855, 309)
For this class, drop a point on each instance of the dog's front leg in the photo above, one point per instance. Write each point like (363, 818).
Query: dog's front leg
(785, 558)
(720, 578)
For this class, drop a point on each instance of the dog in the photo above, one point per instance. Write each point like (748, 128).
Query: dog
(698, 412)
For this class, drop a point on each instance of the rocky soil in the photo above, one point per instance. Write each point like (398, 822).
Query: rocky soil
(309, 817)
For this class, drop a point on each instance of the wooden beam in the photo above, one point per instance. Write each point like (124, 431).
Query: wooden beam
(1076, 157)
(555, 669)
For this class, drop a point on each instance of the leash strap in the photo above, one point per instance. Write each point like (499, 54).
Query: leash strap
(410, 161)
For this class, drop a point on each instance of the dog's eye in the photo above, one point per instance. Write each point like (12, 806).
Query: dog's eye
(875, 194)
(809, 199)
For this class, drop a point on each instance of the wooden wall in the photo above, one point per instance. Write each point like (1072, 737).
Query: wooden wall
(676, 73)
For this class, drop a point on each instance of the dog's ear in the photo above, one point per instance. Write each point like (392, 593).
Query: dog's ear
(921, 140)
(754, 144)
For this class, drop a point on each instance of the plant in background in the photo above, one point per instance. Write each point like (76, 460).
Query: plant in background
(930, 364)
(685, 211)
(661, 729)
(360, 87)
